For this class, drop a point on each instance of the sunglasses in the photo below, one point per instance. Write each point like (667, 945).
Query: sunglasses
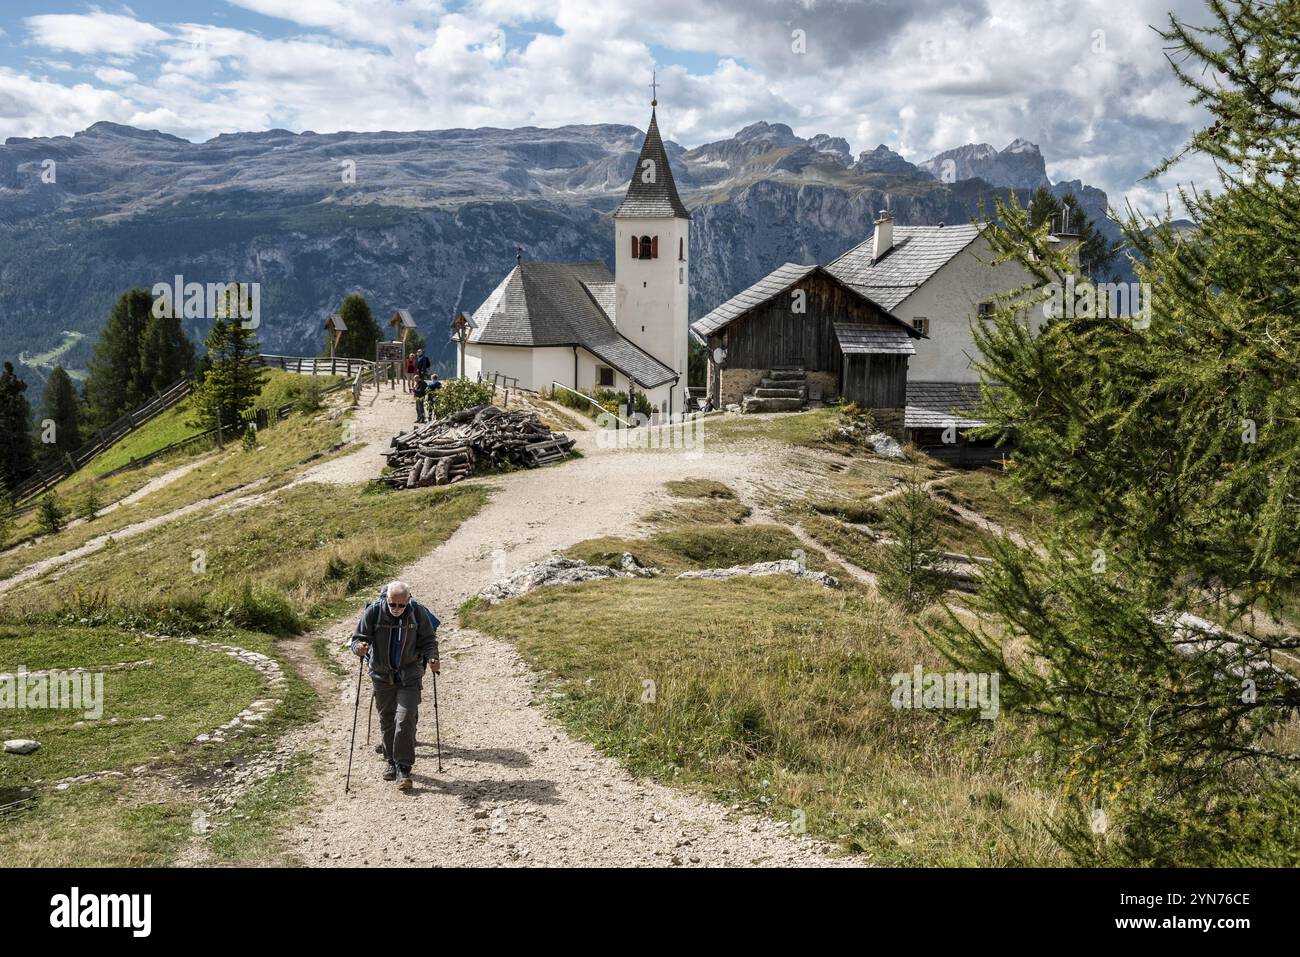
(396, 604)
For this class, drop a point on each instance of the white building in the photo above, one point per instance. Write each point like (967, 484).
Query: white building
(579, 326)
(940, 280)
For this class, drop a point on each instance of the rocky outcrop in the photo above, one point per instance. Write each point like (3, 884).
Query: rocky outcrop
(786, 566)
(558, 570)
(1020, 165)
(884, 160)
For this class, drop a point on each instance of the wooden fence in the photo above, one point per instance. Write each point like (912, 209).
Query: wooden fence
(354, 373)
(43, 481)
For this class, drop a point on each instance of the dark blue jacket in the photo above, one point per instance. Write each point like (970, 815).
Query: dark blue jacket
(400, 648)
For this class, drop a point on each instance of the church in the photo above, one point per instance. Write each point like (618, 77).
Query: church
(579, 326)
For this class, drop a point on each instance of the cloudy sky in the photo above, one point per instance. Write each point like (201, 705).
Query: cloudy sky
(1085, 79)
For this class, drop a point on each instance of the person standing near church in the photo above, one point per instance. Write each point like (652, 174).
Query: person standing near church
(421, 390)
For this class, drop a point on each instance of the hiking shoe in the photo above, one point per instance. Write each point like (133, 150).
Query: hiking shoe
(404, 782)
(390, 773)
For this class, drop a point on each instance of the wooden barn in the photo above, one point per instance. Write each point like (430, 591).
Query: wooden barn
(801, 333)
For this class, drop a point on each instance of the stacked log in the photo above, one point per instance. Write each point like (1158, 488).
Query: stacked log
(484, 436)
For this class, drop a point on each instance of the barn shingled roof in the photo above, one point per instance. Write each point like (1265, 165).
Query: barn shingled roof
(768, 288)
(936, 405)
(860, 338)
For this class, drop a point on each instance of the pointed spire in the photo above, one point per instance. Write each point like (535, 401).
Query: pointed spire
(652, 192)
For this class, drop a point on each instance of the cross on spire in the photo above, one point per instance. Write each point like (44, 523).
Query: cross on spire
(654, 88)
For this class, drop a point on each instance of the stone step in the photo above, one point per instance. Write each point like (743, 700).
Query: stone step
(787, 374)
(766, 393)
(753, 404)
(783, 384)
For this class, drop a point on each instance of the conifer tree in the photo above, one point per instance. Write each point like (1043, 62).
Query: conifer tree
(16, 459)
(234, 378)
(60, 407)
(913, 574)
(358, 341)
(1152, 631)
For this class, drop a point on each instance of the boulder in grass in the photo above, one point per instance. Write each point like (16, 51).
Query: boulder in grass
(786, 566)
(886, 446)
(558, 570)
(21, 746)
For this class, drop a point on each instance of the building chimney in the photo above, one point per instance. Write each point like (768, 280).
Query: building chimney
(884, 234)
(1066, 233)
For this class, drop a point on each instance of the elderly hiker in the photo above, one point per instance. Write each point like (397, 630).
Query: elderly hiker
(398, 637)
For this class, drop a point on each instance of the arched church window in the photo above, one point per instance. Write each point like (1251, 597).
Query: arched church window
(681, 248)
(649, 248)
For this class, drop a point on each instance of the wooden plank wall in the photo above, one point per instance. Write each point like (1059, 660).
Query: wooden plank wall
(774, 335)
(875, 381)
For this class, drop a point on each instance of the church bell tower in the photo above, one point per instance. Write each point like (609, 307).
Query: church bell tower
(652, 261)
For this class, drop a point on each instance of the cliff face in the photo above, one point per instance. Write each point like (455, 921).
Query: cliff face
(1019, 166)
(427, 221)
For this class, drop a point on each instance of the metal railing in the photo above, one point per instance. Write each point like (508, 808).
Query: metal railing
(582, 395)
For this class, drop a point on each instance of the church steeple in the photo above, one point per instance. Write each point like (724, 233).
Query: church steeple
(652, 193)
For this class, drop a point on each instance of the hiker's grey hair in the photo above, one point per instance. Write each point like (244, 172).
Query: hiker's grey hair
(396, 588)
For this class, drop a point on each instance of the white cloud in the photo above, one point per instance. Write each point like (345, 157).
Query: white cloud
(32, 107)
(89, 33)
(919, 75)
(115, 77)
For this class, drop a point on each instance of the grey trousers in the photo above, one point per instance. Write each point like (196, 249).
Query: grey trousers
(399, 709)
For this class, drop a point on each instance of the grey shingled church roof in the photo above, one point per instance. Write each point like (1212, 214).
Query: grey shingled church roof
(556, 304)
(859, 338)
(767, 288)
(935, 405)
(658, 198)
(917, 253)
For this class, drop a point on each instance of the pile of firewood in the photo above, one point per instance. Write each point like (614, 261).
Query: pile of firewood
(453, 448)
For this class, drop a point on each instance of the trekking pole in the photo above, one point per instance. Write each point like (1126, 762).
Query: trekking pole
(356, 710)
(370, 718)
(437, 730)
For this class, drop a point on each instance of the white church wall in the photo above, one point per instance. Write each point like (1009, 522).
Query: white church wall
(512, 361)
(552, 365)
(473, 364)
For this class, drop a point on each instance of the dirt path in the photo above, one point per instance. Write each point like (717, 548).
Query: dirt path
(377, 418)
(516, 789)
(374, 423)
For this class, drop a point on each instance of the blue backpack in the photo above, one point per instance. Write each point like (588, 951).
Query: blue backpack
(383, 597)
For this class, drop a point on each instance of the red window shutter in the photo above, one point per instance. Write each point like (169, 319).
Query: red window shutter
(654, 248)
(634, 248)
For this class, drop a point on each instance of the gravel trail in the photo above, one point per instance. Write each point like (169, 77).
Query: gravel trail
(516, 789)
